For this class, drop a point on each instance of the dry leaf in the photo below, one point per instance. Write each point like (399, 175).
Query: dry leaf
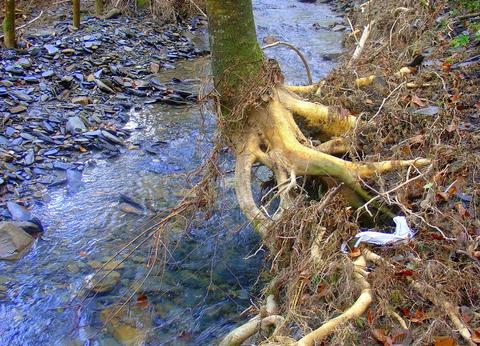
(464, 213)
(355, 252)
(418, 101)
(370, 316)
(443, 341)
(379, 335)
(405, 272)
(476, 336)
(142, 301)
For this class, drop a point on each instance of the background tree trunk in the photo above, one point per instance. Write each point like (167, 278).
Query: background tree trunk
(76, 13)
(98, 7)
(9, 24)
(236, 54)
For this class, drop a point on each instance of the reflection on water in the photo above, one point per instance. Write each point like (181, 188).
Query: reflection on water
(206, 281)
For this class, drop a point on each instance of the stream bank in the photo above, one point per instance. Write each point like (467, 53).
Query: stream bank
(209, 273)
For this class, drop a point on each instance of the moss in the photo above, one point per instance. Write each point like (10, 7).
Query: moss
(9, 24)
(237, 59)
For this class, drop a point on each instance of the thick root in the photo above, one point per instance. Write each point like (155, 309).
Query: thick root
(318, 115)
(303, 89)
(356, 310)
(237, 336)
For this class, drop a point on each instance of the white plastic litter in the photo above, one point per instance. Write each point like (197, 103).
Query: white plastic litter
(402, 232)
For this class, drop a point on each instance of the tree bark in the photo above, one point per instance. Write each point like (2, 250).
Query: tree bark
(9, 24)
(236, 55)
(98, 7)
(76, 13)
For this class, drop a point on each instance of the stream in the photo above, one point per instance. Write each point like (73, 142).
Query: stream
(211, 271)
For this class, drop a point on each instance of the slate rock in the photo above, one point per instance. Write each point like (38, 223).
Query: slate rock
(14, 241)
(75, 125)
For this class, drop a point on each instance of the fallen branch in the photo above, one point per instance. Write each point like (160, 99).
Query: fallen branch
(361, 43)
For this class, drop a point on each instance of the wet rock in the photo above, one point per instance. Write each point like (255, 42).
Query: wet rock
(18, 212)
(51, 49)
(24, 63)
(130, 327)
(74, 181)
(29, 157)
(68, 51)
(82, 100)
(48, 74)
(94, 285)
(20, 95)
(111, 137)
(338, 28)
(29, 227)
(18, 109)
(14, 242)
(15, 70)
(429, 111)
(112, 265)
(31, 79)
(75, 125)
(103, 87)
(130, 209)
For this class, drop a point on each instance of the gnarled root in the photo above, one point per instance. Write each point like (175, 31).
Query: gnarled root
(272, 138)
(237, 336)
(357, 309)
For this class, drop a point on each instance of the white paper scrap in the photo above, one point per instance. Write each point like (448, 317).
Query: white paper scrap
(402, 232)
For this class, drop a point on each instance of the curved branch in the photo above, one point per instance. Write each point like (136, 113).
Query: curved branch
(299, 53)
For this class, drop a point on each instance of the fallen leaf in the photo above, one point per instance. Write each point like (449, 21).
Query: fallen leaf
(83, 254)
(370, 316)
(435, 236)
(418, 101)
(446, 66)
(379, 335)
(443, 341)
(464, 213)
(405, 272)
(418, 316)
(355, 252)
(442, 195)
(476, 336)
(451, 128)
(142, 301)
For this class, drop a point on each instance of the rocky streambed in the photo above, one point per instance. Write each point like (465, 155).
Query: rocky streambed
(99, 128)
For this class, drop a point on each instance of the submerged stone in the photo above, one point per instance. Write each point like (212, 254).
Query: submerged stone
(94, 284)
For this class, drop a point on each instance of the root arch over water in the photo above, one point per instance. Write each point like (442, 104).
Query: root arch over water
(272, 137)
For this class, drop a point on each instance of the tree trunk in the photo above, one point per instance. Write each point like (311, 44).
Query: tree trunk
(236, 54)
(9, 24)
(98, 7)
(76, 13)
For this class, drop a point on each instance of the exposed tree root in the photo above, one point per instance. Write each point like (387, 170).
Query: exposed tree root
(357, 309)
(237, 336)
(274, 139)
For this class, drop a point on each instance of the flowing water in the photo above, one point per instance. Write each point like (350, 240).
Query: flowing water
(210, 273)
